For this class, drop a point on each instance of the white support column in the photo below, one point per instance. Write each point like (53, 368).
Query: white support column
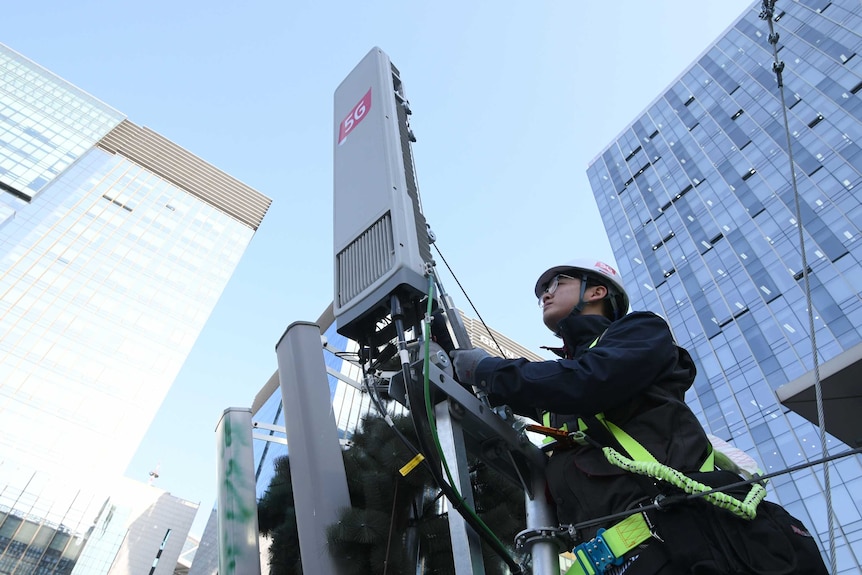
(316, 464)
(237, 500)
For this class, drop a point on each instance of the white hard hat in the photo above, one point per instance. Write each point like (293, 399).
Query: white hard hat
(595, 269)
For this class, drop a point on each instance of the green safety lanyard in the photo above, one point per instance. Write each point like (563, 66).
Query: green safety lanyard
(634, 449)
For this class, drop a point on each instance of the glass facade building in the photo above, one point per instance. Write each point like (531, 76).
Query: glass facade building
(115, 245)
(696, 196)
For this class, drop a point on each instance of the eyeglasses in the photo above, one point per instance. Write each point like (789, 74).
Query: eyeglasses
(552, 285)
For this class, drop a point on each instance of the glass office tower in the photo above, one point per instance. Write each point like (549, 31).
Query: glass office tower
(115, 245)
(697, 200)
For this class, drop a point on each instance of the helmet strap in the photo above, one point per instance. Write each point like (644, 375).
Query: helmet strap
(579, 307)
(614, 306)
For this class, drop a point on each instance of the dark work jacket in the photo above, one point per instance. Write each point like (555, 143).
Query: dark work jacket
(636, 375)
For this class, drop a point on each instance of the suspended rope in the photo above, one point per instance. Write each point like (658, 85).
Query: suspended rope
(473, 307)
(608, 519)
(766, 14)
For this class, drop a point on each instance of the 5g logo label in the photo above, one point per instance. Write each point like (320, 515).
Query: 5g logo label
(356, 115)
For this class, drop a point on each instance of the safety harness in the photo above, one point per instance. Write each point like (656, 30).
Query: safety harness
(611, 546)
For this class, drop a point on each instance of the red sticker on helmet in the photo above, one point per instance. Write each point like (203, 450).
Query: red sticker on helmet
(606, 268)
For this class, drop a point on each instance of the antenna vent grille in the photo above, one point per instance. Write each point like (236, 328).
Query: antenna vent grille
(368, 258)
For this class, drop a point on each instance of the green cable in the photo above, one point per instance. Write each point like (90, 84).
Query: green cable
(433, 423)
(746, 509)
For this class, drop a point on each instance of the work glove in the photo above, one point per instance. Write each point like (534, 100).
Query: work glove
(465, 361)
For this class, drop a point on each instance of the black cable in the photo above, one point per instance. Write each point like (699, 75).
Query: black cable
(422, 433)
(767, 9)
(378, 405)
(416, 398)
(473, 307)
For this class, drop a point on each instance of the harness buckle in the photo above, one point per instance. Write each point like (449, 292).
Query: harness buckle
(594, 556)
(579, 437)
(651, 526)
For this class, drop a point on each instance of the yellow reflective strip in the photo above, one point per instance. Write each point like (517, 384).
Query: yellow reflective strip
(627, 534)
(546, 417)
(546, 421)
(709, 462)
(585, 563)
(595, 341)
(620, 539)
(411, 465)
(635, 450)
(576, 569)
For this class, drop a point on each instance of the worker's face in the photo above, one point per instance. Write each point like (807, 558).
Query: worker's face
(560, 297)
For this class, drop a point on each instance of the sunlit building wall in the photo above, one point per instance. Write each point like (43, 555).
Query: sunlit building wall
(697, 199)
(141, 529)
(205, 561)
(115, 245)
(187, 555)
(115, 527)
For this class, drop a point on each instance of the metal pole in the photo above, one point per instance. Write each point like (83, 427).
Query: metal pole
(466, 545)
(316, 464)
(237, 499)
(541, 516)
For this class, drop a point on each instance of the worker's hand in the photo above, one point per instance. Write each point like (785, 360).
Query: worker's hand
(465, 361)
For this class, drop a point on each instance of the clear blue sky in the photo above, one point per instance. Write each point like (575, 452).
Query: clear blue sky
(511, 101)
